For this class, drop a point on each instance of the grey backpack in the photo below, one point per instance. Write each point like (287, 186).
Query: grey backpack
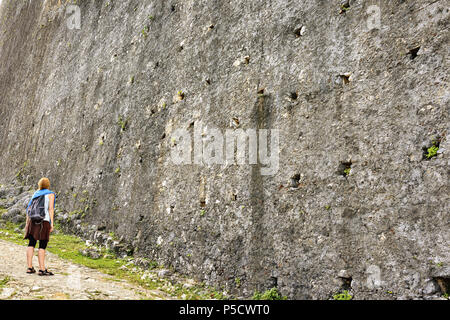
(36, 211)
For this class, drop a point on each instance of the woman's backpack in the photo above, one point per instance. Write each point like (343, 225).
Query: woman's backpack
(36, 211)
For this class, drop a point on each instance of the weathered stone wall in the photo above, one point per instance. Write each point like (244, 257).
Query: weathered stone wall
(354, 204)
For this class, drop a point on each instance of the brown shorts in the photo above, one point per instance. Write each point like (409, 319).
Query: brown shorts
(38, 231)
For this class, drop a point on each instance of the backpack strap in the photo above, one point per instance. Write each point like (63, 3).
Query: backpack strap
(40, 193)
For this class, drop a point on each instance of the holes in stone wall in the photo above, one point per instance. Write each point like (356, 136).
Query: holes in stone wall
(294, 181)
(443, 283)
(344, 168)
(345, 78)
(180, 96)
(235, 122)
(431, 151)
(299, 31)
(102, 140)
(293, 95)
(260, 92)
(345, 6)
(346, 283)
(273, 282)
(413, 53)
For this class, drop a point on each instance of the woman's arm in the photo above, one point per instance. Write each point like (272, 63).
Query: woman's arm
(26, 225)
(51, 209)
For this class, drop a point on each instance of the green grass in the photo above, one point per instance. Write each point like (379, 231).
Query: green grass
(432, 151)
(4, 281)
(68, 247)
(180, 94)
(271, 294)
(344, 295)
(121, 122)
(145, 31)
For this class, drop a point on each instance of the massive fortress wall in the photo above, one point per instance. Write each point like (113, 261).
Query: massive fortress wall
(91, 93)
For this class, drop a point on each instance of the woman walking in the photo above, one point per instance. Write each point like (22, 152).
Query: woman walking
(40, 212)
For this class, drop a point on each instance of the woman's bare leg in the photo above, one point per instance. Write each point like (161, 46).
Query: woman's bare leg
(41, 259)
(30, 253)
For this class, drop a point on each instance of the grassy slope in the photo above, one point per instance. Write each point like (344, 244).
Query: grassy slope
(68, 247)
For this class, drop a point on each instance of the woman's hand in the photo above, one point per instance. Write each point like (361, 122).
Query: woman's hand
(25, 230)
(51, 227)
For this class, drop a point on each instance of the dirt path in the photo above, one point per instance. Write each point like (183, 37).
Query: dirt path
(71, 281)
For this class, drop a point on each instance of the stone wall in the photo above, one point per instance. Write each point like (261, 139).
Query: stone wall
(358, 91)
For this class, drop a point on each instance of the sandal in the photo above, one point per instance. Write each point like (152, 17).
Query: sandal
(48, 273)
(45, 273)
(31, 270)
